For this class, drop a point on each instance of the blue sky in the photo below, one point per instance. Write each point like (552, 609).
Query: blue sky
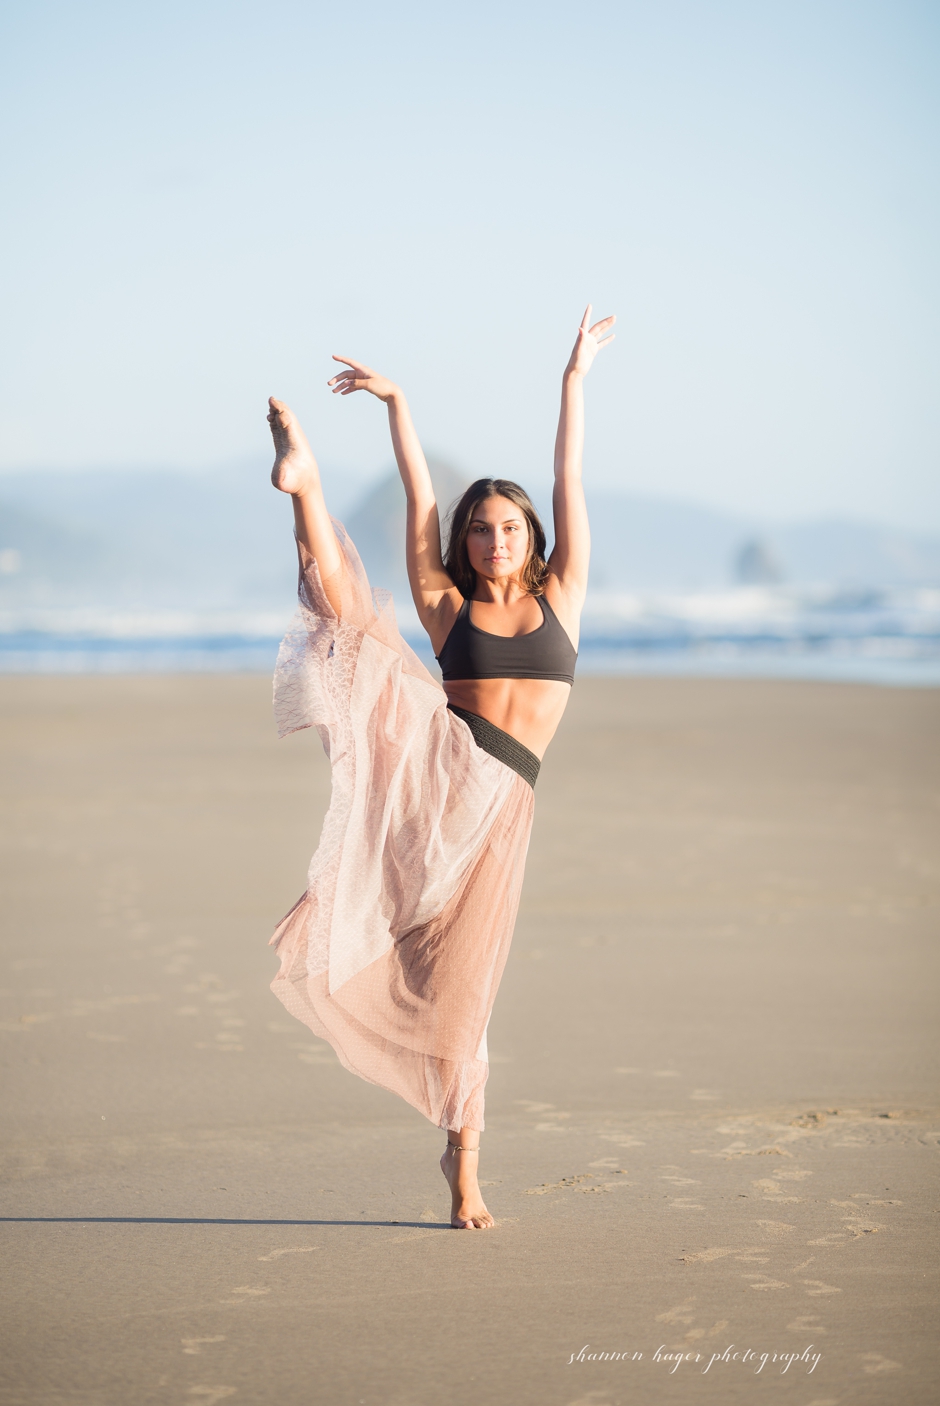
(206, 199)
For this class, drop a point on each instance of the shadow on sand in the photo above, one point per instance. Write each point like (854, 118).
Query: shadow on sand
(210, 1221)
(203, 1220)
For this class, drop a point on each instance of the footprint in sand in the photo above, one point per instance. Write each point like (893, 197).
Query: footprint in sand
(682, 1313)
(740, 1149)
(807, 1323)
(776, 1229)
(193, 1346)
(772, 1191)
(554, 1126)
(293, 1250)
(696, 1335)
(815, 1288)
(749, 1254)
(565, 1184)
(856, 1222)
(762, 1281)
(873, 1363)
(248, 1293)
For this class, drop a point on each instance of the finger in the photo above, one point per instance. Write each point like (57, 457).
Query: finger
(607, 341)
(343, 376)
(585, 321)
(599, 326)
(359, 366)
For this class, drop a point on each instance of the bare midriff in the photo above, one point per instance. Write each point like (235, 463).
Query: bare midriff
(528, 709)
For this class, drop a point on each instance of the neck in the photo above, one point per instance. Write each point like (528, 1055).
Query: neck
(504, 591)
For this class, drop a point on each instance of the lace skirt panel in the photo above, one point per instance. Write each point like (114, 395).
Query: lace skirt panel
(395, 951)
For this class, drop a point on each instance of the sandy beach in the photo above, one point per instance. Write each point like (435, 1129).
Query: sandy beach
(712, 1116)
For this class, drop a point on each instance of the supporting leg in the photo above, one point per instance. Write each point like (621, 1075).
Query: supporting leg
(459, 1165)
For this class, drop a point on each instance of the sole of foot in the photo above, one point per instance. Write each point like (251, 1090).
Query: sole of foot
(295, 468)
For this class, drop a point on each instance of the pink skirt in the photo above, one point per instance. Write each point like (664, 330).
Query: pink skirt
(395, 952)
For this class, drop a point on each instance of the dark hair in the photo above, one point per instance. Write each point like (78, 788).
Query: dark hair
(456, 560)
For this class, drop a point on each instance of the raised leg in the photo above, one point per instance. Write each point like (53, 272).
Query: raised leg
(295, 472)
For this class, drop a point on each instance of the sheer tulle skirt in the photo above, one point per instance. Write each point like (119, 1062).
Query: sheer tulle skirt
(395, 951)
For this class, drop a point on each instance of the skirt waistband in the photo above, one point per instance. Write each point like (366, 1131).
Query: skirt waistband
(501, 745)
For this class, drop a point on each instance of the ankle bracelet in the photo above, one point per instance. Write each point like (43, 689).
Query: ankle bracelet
(454, 1148)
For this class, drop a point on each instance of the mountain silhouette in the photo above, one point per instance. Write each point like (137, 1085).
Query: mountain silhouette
(377, 524)
(221, 539)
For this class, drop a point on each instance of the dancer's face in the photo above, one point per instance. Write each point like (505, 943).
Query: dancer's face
(498, 540)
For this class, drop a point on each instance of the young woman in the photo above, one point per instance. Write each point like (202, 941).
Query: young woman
(395, 951)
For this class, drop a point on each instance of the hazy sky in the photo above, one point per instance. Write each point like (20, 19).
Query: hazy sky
(206, 199)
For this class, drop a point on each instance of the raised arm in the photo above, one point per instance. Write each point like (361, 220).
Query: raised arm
(569, 560)
(436, 597)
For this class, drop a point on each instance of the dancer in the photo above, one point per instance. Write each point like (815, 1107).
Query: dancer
(395, 951)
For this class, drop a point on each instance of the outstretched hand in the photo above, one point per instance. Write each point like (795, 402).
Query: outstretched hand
(590, 341)
(361, 378)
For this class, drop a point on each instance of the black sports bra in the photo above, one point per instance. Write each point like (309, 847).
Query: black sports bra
(471, 653)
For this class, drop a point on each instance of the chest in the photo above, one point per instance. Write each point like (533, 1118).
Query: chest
(522, 617)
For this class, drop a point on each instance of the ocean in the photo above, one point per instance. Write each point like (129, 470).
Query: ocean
(878, 635)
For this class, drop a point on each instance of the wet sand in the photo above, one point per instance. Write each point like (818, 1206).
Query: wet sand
(712, 1117)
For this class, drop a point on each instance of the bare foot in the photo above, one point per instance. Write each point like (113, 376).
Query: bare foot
(295, 468)
(467, 1209)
